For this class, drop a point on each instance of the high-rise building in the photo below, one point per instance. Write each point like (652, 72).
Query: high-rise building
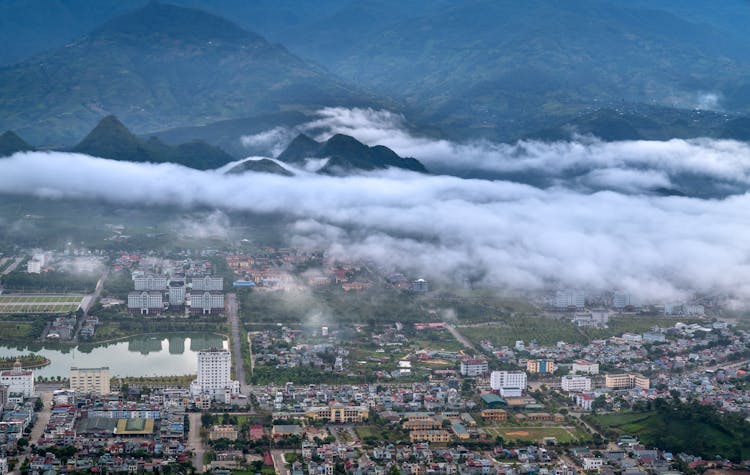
(176, 293)
(150, 282)
(626, 381)
(473, 367)
(572, 383)
(509, 383)
(146, 302)
(620, 300)
(206, 303)
(570, 299)
(214, 378)
(545, 366)
(210, 283)
(90, 380)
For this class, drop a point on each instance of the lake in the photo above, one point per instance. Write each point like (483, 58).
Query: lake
(157, 355)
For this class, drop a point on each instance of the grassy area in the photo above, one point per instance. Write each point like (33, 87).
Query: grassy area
(546, 331)
(562, 434)
(692, 428)
(15, 330)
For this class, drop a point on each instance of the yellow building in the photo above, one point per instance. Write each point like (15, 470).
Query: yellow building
(90, 380)
(434, 436)
(494, 415)
(626, 381)
(545, 366)
(422, 424)
(339, 413)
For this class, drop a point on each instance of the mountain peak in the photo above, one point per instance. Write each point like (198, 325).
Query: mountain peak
(161, 19)
(346, 154)
(11, 143)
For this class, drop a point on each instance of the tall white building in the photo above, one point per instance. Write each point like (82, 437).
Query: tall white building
(473, 367)
(566, 299)
(509, 383)
(150, 282)
(90, 380)
(176, 294)
(214, 375)
(209, 283)
(18, 380)
(145, 302)
(573, 383)
(620, 300)
(584, 367)
(206, 303)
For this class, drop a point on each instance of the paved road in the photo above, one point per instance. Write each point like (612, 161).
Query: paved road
(232, 308)
(89, 302)
(278, 462)
(461, 339)
(13, 266)
(42, 418)
(195, 443)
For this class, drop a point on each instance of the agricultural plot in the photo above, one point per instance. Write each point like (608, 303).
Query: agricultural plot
(21, 303)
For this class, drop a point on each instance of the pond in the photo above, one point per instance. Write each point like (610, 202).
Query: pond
(153, 355)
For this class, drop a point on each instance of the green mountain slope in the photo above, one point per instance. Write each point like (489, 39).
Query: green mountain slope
(111, 139)
(160, 67)
(11, 143)
(263, 165)
(346, 154)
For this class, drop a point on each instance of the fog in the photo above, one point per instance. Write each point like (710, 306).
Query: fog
(496, 233)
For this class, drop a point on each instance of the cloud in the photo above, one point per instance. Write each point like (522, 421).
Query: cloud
(676, 162)
(272, 140)
(496, 233)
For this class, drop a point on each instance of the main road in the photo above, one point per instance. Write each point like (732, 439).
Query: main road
(232, 308)
(195, 442)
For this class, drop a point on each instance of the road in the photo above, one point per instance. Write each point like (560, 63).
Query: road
(195, 443)
(89, 302)
(42, 418)
(232, 309)
(13, 266)
(458, 336)
(278, 462)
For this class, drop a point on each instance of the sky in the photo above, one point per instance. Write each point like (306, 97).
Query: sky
(497, 233)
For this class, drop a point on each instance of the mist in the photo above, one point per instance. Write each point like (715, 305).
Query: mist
(495, 233)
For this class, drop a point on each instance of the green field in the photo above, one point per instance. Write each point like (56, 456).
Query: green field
(15, 330)
(562, 434)
(18, 304)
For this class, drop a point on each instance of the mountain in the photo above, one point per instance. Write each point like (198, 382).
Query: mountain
(160, 67)
(111, 139)
(11, 143)
(737, 129)
(346, 154)
(263, 165)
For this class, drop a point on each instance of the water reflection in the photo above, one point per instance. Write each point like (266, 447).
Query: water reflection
(157, 355)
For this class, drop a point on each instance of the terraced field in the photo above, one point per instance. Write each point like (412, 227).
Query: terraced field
(25, 303)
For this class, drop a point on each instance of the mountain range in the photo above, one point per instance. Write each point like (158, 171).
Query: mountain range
(160, 67)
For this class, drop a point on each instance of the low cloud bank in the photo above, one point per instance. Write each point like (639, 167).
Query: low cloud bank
(496, 233)
(696, 167)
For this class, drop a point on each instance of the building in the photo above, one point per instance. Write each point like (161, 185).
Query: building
(545, 366)
(34, 266)
(150, 282)
(438, 436)
(570, 300)
(626, 381)
(214, 375)
(176, 294)
(146, 302)
(508, 383)
(223, 432)
(420, 286)
(620, 300)
(339, 413)
(494, 415)
(572, 383)
(209, 283)
(206, 303)
(592, 463)
(90, 380)
(473, 367)
(18, 380)
(584, 367)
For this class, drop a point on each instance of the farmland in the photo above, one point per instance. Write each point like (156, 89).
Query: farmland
(37, 303)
